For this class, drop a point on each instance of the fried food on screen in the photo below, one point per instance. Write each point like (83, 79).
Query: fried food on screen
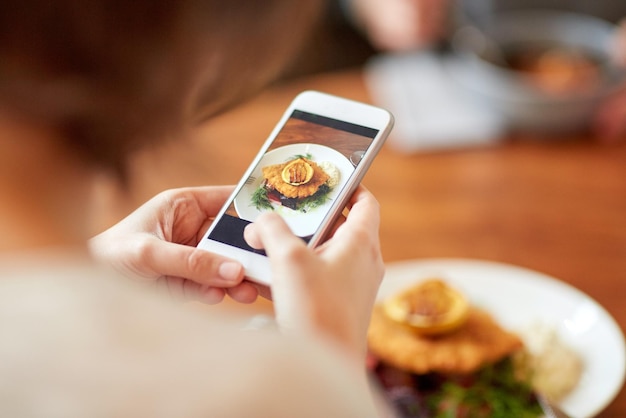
(298, 171)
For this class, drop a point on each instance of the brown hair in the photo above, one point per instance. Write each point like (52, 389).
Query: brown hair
(113, 75)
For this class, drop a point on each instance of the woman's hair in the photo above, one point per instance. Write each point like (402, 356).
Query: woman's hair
(113, 75)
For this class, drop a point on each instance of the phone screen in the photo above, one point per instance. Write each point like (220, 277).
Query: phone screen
(303, 170)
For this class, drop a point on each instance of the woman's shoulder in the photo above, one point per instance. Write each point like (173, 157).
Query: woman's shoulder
(106, 346)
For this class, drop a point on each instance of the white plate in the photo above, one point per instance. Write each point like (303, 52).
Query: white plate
(302, 224)
(518, 298)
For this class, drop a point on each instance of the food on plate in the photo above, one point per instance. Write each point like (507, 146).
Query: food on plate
(297, 172)
(478, 342)
(556, 69)
(332, 171)
(299, 184)
(472, 368)
(430, 308)
(555, 369)
(493, 391)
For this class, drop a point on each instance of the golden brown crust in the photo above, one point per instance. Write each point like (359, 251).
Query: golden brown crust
(480, 341)
(273, 177)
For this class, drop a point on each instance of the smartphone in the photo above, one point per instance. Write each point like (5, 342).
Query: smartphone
(306, 171)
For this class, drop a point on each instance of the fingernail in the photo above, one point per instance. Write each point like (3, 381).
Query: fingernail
(229, 270)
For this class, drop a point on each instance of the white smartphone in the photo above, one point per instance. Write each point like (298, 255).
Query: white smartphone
(306, 171)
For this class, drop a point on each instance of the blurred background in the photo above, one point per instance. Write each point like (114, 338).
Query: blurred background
(465, 73)
(341, 40)
(335, 43)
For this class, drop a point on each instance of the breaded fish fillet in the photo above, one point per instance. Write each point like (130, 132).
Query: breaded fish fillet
(480, 341)
(273, 178)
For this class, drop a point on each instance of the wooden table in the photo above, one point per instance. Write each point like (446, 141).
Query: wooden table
(557, 207)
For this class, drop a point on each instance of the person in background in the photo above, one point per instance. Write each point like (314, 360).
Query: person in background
(404, 25)
(401, 25)
(86, 331)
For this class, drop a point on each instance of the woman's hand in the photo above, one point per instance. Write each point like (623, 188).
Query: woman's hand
(158, 242)
(330, 289)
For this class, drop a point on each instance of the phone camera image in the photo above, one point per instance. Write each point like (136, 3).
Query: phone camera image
(302, 172)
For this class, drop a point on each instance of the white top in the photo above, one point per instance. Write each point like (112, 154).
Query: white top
(77, 341)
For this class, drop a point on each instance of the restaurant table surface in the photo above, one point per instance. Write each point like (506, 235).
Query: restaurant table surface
(556, 206)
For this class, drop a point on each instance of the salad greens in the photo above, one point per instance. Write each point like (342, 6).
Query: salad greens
(495, 392)
(260, 200)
